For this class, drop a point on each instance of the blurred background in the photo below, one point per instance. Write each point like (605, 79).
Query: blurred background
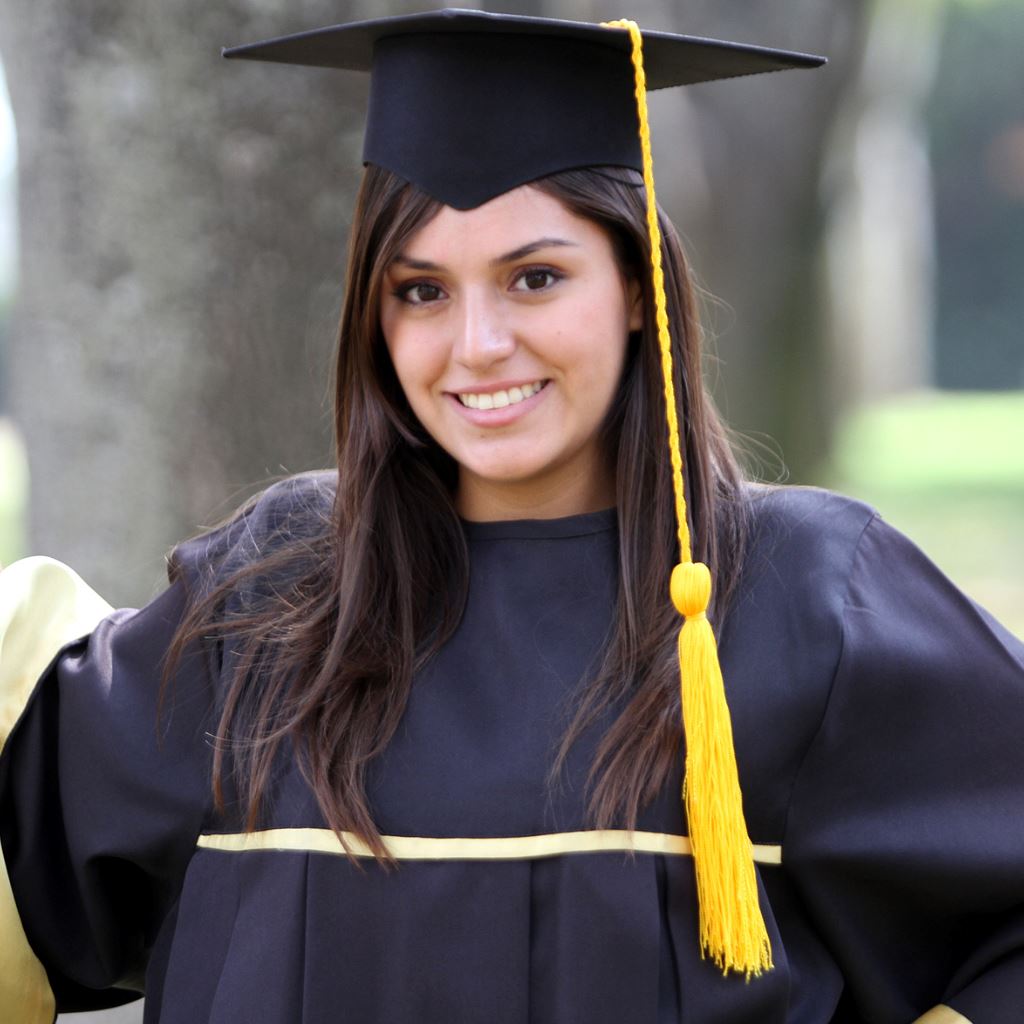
(172, 245)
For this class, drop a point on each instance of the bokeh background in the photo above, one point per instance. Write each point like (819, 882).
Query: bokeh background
(172, 246)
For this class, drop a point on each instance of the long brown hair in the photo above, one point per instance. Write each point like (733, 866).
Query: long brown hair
(323, 662)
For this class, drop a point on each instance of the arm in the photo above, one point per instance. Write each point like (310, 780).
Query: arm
(98, 809)
(906, 828)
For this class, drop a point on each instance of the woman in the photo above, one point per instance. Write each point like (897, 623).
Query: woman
(419, 752)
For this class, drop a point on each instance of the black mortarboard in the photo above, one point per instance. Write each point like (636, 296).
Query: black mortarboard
(467, 104)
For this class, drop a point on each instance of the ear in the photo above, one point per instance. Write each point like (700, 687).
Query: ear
(635, 301)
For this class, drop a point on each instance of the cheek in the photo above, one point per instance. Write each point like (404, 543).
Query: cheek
(416, 362)
(599, 338)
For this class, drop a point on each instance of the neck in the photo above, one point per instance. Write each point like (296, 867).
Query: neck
(484, 501)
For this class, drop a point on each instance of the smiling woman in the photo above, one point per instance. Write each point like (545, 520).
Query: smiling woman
(421, 738)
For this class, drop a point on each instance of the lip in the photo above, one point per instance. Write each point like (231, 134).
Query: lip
(500, 417)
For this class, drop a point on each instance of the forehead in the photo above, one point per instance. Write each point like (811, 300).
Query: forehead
(519, 217)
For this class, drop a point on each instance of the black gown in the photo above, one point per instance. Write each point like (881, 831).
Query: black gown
(878, 716)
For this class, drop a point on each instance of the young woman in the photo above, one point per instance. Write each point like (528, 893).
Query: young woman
(402, 741)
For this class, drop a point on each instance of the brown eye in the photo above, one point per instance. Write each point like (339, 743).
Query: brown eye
(418, 293)
(536, 279)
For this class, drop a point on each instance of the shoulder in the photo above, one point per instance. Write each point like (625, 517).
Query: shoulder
(295, 505)
(291, 513)
(805, 538)
(835, 557)
(805, 514)
(782, 638)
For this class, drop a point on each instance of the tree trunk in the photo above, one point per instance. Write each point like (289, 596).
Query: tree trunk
(756, 219)
(183, 222)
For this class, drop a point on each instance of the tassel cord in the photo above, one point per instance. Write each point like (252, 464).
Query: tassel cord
(732, 928)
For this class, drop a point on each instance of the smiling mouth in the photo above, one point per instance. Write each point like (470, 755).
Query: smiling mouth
(500, 399)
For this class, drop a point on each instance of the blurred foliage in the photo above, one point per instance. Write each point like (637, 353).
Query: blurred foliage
(947, 468)
(976, 128)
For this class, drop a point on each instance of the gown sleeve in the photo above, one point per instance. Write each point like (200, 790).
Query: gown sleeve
(905, 834)
(101, 797)
(43, 605)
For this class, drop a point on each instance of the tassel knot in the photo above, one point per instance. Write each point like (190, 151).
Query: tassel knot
(690, 588)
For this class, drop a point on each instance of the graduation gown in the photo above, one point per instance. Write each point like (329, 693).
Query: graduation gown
(878, 716)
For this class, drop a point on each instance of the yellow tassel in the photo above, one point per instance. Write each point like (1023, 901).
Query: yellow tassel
(732, 929)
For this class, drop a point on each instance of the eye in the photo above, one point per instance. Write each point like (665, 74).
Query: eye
(418, 293)
(536, 279)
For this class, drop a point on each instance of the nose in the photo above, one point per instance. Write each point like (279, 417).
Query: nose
(484, 336)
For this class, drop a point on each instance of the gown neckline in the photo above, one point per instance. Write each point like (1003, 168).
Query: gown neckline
(579, 525)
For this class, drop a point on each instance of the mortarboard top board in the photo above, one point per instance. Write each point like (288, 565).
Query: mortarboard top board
(467, 104)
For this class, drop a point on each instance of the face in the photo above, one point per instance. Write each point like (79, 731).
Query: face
(507, 326)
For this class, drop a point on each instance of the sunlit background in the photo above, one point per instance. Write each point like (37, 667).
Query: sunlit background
(13, 467)
(944, 457)
(166, 319)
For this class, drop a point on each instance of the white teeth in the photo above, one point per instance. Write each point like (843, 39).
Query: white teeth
(499, 399)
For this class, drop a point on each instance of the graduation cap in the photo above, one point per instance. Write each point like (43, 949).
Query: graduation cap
(467, 105)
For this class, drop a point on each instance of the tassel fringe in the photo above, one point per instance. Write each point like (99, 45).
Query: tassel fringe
(732, 929)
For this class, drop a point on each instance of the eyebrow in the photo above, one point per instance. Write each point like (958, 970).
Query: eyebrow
(509, 257)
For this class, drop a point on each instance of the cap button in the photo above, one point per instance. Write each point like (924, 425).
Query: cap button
(691, 588)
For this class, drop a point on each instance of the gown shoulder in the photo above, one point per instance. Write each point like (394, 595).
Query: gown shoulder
(294, 509)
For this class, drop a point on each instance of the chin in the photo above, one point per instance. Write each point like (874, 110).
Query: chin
(506, 476)
(504, 462)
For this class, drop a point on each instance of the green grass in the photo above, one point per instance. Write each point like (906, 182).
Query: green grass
(13, 494)
(947, 468)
